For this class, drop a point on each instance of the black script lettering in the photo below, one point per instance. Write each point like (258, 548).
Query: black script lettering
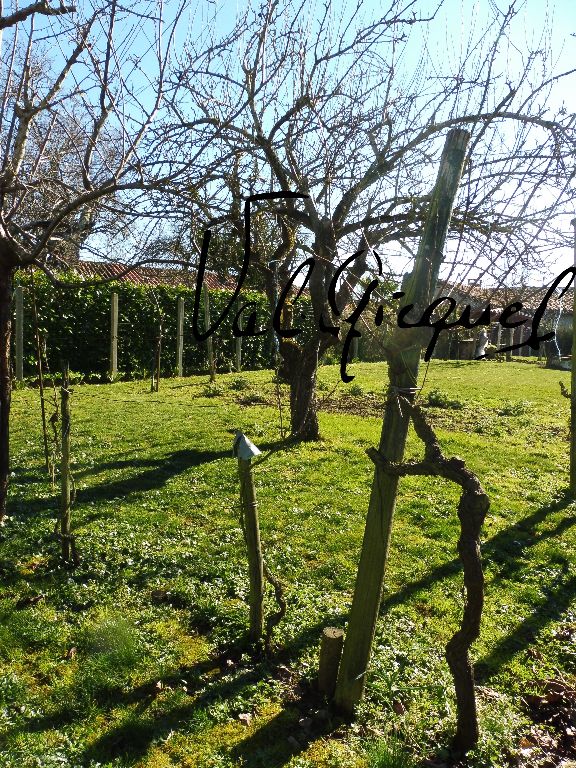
(507, 312)
(203, 335)
(250, 329)
(353, 333)
(438, 325)
(533, 341)
(287, 333)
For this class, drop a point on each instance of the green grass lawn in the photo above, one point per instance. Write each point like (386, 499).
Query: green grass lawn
(136, 658)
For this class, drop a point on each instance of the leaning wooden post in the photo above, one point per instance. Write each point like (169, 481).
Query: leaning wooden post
(209, 344)
(403, 359)
(113, 336)
(180, 337)
(65, 464)
(573, 383)
(19, 329)
(245, 450)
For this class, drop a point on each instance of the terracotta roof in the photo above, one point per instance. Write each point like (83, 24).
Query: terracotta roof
(530, 296)
(152, 276)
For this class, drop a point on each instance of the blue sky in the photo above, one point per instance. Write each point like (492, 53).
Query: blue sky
(439, 45)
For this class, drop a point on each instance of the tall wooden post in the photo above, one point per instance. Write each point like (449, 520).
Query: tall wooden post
(355, 348)
(238, 348)
(19, 332)
(40, 378)
(209, 344)
(65, 464)
(573, 383)
(403, 360)
(113, 336)
(510, 342)
(180, 337)
(157, 359)
(245, 450)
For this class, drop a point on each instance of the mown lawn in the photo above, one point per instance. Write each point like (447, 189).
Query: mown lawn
(135, 658)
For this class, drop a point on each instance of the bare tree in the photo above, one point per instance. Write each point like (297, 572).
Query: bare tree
(83, 157)
(324, 105)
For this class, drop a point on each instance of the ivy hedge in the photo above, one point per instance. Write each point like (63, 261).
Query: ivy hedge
(74, 322)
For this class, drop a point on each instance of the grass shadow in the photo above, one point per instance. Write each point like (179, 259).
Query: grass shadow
(505, 549)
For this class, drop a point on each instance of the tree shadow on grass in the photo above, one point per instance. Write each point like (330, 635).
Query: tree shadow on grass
(558, 600)
(207, 683)
(506, 549)
(268, 745)
(156, 472)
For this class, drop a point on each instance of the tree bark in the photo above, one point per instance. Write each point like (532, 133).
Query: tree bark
(299, 367)
(6, 275)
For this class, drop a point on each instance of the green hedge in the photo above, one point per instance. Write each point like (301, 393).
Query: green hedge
(75, 323)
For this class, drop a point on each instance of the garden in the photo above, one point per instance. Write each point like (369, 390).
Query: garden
(139, 655)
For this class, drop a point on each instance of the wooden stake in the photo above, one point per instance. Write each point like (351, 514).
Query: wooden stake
(41, 380)
(113, 336)
(65, 465)
(355, 347)
(238, 348)
(510, 342)
(330, 652)
(19, 332)
(252, 535)
(209, 344)
(180, 337)
(158, 359)
(403, 360)
(573, 383)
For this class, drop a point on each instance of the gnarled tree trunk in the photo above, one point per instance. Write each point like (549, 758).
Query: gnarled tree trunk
(299, 368)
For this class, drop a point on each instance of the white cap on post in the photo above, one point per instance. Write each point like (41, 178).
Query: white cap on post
(244, 448)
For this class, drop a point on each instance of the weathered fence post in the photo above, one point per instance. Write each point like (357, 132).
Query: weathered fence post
(245, 450)
(238, 347)
(113, 336)
(180, 337)
(330, 652)
(573, 383)
(40, 378)
(65, 464)
(403, 354)
(355, 348)
(19, 332)
(157, 360)
(510, 342)
(209, 343)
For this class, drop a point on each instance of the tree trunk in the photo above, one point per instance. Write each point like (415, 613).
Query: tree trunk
(6, 275)
(301, 370)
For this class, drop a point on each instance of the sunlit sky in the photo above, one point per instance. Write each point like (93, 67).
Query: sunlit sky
(538, 24)
(441, 43)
